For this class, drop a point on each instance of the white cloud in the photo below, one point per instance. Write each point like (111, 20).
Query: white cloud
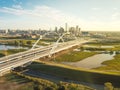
(17, 6)
(48, 16)
(115, 8)
(116, 15)
(44, 13)
(14, 0)
(95, 8)
(39, 11)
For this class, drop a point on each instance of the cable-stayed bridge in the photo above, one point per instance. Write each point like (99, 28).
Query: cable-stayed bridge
(12, 61)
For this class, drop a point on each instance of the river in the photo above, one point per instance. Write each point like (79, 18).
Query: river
(6, 47)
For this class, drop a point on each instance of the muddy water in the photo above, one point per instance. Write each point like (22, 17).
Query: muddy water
(92, 62)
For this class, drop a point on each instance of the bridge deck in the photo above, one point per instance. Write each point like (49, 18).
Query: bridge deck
(15, 60)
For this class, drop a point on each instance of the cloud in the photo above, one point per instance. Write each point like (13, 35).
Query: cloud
(17, 10)
(14, 11)
(14, 0)
(49, 16)
(49, 12)
(115, 8)
(95, 8)
(46, 14)
(116, 15)
(39, 12)
(17, 6)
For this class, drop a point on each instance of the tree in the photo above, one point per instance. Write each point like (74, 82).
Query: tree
(29, 42)
(21, 43)
(40, 87)
(49, 88)
(36, 86)
(16, 43)
(61, 88)
(108, 86)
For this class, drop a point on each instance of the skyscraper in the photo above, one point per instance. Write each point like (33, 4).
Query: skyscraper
(66, 27)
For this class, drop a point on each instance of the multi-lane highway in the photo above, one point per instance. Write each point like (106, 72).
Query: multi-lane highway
(15, 60)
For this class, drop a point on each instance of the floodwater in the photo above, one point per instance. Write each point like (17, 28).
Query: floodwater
(6, 47)
(92, 62)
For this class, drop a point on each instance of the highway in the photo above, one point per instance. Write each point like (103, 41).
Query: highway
(9, 62)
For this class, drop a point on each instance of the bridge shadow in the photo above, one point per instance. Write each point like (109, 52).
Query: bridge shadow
(15, 78)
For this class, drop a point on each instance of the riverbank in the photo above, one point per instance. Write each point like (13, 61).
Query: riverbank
(18, 81)
(92, 61)
(10, 51)
(26, 42)
(73, 56)
(111, 65)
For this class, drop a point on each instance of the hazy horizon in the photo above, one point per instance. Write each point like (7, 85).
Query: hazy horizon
(90, 15)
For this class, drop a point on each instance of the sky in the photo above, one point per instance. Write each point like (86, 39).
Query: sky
(95, 15)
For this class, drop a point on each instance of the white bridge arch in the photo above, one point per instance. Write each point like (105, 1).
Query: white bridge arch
(19, 59)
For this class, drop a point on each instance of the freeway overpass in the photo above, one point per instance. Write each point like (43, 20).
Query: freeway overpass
(19, 59)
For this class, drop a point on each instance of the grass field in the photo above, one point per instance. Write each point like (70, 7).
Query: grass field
(23, 42)
(115, 44)
(14, 82)
(10, 51)
(111, 65)
(74, 56)
(18, 81)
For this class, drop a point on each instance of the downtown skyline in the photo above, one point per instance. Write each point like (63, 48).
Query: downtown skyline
(91, 15)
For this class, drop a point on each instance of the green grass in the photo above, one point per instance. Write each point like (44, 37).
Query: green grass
(15, 78)
(24, 42)
(95, 49)
(25, 82)
(74, 56)
(103, 42)
(111, 65)
(41, 84)
(13, 51)
(10, 51)
(15, 82)
(116, 47)
(26, 86)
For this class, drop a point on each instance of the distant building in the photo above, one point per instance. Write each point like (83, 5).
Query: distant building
(56, 29)
(66, 27)
(98, 36)
(85, 33)
(75, 30)
(4, 31)
(34, 36)
(72, 30)
(61, 30)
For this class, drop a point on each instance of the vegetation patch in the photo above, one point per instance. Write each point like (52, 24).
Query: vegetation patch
(13, 82)
(42, 84)
(75, 74)
(74, 56)
(10, 51)
(111, 65)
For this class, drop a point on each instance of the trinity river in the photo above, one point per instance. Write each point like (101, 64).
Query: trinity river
(88, 63)
(92, 62)
(6, 47)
